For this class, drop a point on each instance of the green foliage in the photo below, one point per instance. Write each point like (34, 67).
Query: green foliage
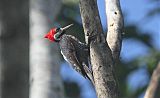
(154, 12)
(72, 90)
(125, 68)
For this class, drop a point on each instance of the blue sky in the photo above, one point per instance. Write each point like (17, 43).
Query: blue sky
(135, 12)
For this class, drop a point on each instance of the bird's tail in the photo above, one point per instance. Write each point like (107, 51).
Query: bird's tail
(89, 73)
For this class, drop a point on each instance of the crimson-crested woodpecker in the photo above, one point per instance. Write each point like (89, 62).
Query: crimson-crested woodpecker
(74, 52)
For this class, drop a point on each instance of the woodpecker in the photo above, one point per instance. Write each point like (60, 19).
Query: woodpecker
(74, 52)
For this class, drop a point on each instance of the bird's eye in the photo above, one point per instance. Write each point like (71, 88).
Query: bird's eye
(57, 30)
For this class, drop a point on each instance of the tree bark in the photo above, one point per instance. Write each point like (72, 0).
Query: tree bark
(14, 49)
(45, 81)
(155, 79)
(100, 53)
(115, 27)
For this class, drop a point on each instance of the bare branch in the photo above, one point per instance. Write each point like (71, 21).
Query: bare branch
(115, 27)
(101, 57)
(151, 90)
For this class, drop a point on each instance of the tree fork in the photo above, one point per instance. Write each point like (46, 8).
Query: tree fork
(100, 53)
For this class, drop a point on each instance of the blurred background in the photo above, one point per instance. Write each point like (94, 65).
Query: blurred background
(23, 24)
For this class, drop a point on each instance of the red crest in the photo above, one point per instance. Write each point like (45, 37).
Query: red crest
(50, 34)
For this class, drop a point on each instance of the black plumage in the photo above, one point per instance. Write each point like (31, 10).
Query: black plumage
(77, 54)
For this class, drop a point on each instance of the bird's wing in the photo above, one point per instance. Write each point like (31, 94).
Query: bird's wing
(89, 73)
(71, 58)
(85, 70)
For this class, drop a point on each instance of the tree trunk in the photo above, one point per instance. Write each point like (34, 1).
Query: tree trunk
(45, 81)
(14, 49)
(100, 53)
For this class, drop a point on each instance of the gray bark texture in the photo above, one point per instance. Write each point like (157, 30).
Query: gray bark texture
(115, 27)
(154, 83)
(45, 80)
(14, 49)
(100, 53)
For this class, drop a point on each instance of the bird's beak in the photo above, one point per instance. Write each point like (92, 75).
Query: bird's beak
(66, 27)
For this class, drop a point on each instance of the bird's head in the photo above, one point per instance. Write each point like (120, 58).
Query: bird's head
(55, 34)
